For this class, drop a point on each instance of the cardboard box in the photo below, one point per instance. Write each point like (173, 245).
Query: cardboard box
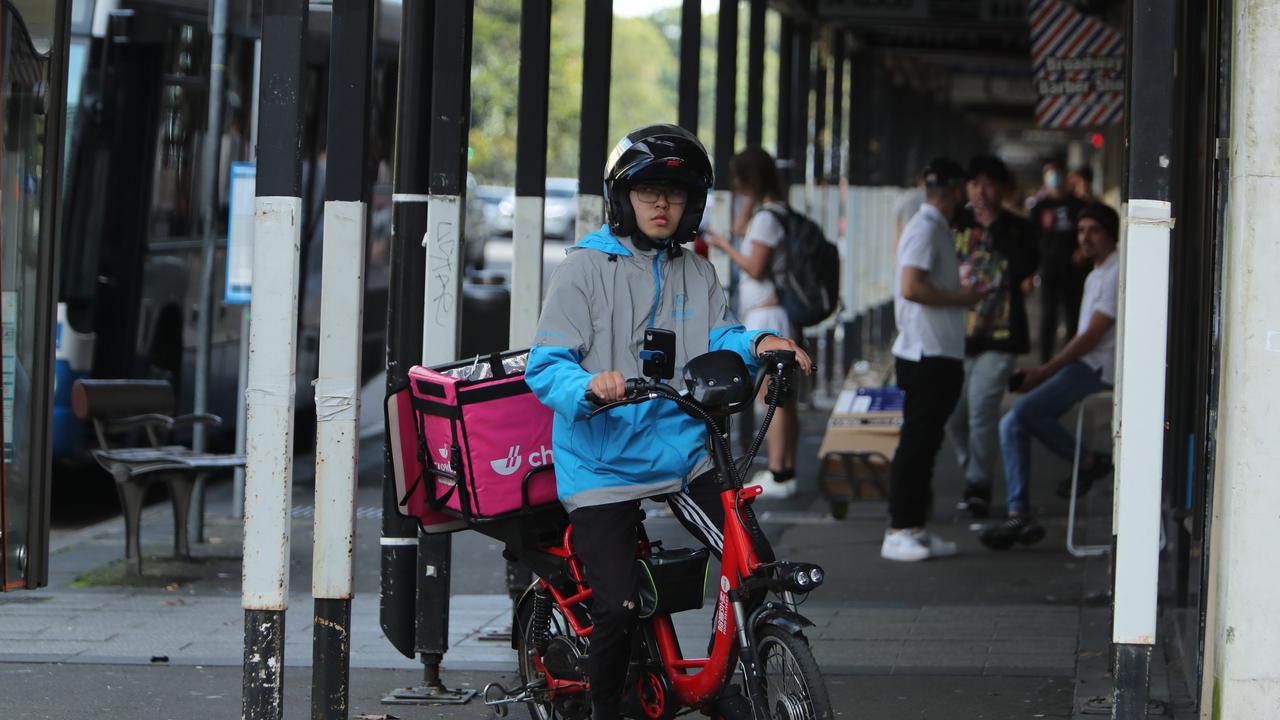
(862, 433)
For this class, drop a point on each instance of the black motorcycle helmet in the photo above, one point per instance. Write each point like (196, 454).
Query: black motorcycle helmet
(659, 154)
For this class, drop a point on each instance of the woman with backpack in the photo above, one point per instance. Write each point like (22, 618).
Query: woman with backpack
(760, 220)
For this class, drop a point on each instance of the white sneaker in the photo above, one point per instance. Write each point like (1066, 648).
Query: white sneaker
(904, 546)
(937, 546)
(773, 489)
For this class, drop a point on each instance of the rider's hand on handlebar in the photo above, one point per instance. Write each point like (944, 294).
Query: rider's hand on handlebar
(609, 386)
(774, 342)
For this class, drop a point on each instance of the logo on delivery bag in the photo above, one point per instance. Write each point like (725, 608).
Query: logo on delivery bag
(510, 464)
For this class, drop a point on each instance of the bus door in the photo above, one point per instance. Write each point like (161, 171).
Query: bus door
(31, 71)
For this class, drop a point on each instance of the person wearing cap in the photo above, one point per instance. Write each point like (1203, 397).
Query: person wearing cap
(997, 251)
(929, 306)
(1086, 365)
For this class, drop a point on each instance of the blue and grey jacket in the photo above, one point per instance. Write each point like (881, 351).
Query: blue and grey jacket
(602, 298)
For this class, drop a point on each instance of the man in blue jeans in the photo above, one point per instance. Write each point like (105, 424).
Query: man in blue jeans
(1086, 365)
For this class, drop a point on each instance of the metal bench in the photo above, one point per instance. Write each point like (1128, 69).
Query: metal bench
(130, 408)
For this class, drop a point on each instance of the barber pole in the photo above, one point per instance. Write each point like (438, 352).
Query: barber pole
(272, 340)
(597, 50)
(338, 386)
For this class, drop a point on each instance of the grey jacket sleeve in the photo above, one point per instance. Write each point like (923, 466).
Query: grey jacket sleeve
(566, 313)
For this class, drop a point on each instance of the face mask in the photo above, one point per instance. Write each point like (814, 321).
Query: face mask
(1053, 179)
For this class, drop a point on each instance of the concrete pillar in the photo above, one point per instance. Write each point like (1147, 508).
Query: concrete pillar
(1243, 631)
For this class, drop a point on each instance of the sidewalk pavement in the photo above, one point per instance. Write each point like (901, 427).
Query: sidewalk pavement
(982, 635)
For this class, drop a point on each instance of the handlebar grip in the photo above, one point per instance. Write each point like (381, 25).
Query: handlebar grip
(635, 388)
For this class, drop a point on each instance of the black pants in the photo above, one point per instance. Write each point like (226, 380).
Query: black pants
(1060, 288)
(932, 387)
(604, 536)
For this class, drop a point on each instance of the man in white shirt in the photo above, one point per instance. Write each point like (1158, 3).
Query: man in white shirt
(1086, 365)
(929, 305)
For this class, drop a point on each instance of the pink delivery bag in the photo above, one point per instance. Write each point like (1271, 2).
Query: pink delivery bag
(475, 444)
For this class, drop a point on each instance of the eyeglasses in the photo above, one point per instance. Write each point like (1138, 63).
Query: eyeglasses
(649, 194)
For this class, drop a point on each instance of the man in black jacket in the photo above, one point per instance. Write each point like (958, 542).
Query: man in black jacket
(997, 251)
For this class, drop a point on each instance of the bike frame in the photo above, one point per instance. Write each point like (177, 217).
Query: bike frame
(738, 561)
(694, 681)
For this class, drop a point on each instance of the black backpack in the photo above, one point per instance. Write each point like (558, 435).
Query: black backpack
(806, 270)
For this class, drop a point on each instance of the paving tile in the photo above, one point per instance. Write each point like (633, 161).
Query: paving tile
(865, 631)
(856, 653)
(50, 649)
(1034, 646)
(953, 631)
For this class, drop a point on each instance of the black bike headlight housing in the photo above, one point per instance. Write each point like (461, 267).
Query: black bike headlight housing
(796, 577)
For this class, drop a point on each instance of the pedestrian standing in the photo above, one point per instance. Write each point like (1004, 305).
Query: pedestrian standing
(997, 252)
(754, 178)
(1062, 266)
(929, 306)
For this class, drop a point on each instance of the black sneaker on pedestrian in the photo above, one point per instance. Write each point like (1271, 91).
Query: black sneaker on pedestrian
(976, 500)
(1021, 529)
(1101, 468)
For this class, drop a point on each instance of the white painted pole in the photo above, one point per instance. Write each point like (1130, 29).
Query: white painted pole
(590, 213)
(1140, 381)
(526, 270)
(722, 222)
(273, 337)
(338, 399)
(443, 243)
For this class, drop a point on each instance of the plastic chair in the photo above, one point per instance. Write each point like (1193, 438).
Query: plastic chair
(1083, 550)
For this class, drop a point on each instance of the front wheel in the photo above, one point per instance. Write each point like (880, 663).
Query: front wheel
(792, 682)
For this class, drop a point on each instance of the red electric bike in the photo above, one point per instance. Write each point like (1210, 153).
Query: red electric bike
(759, 666)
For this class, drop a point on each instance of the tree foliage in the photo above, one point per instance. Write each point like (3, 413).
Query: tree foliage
(645, 71)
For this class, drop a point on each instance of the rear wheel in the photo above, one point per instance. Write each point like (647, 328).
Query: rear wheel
(792, 682)
(568, 649)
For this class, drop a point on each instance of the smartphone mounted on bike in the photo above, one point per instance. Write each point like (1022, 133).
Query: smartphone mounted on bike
(659, 354)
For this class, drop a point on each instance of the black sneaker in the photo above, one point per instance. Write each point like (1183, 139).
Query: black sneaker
(1101, 468)
(1022, 529)
(976, 500)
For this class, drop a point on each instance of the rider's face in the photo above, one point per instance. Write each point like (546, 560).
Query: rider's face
(658, 209)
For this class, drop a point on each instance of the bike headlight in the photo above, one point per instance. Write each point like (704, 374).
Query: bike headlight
(816, 575)
(802, 578)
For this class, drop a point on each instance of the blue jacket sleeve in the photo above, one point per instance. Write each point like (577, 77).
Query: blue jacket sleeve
(559, 381)
(740, 340)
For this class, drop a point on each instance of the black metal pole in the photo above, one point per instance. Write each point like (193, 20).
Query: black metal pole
(860, 89)
(531, 172)
(726, 90)
(279, 175)
(450, 120)
(350, 66)
(406, 289)
(820, 114)
(531, 117)
(597, 50)
(755, 73)
(837, 107)
(785, 156)
(1149, 114)
(801, 80)
(690, 63)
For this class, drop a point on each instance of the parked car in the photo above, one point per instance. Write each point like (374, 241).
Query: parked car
(559, 213)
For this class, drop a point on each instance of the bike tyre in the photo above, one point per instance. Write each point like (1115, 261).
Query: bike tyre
(806, 669)
(524, 640)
